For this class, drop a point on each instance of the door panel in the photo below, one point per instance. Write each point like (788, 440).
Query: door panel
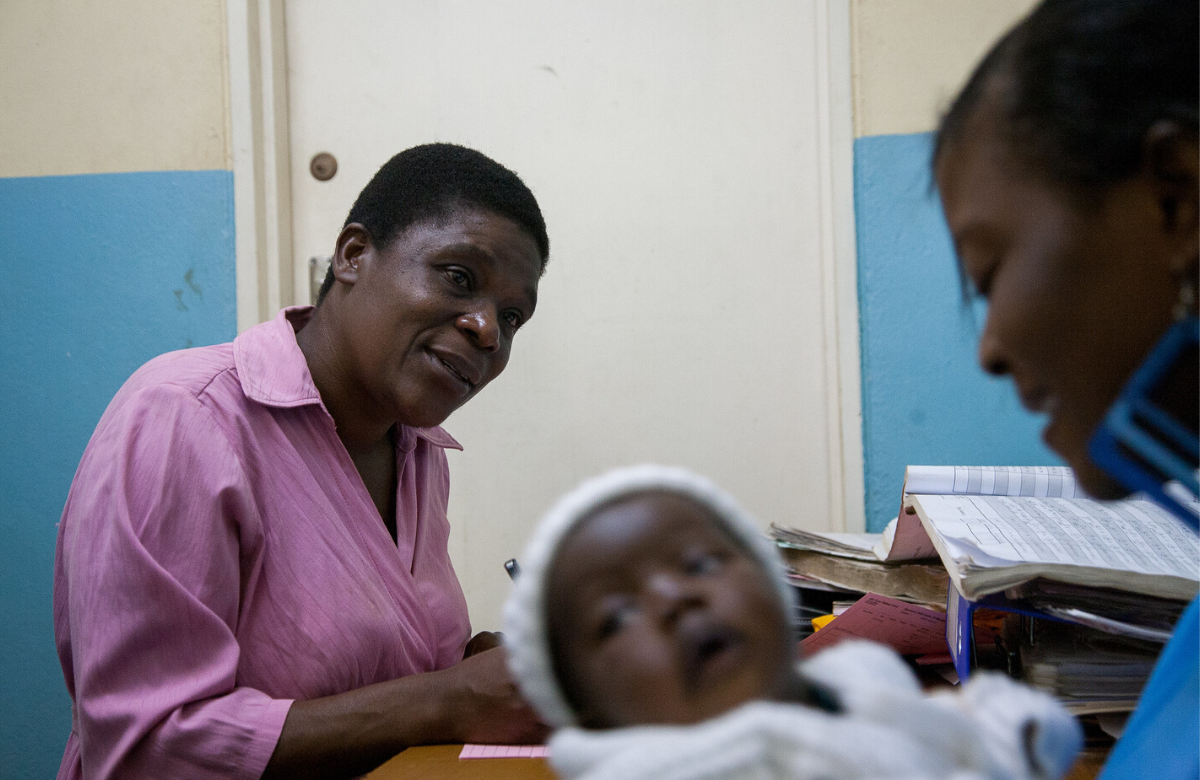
(674, 149)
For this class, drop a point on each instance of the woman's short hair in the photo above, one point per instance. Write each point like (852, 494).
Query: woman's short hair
(1080, 82)
(429, 182)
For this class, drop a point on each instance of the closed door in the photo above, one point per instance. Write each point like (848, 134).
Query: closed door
(676, 151)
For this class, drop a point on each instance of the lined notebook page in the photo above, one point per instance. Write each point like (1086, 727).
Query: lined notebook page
(904, 539)
(1033, 481)
(504, 751)
(1131, 535)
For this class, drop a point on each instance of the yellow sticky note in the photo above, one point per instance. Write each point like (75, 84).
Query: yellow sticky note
(821, 622)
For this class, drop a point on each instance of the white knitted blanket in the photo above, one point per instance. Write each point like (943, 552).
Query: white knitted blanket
(992, 728)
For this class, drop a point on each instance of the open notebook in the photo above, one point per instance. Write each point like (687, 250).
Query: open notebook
(996, 528)
(906, 540)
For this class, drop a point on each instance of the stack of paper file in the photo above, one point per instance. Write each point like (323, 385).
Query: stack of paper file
(1100, 584)
(1105, 609)
(1087, 670)
(914, 582)
(900, 603)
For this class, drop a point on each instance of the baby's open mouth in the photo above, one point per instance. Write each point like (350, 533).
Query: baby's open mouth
(709, 650)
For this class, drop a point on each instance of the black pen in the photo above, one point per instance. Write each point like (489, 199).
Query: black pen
(512, 568)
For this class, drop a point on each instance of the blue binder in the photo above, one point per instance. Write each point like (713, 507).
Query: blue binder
(960, 624)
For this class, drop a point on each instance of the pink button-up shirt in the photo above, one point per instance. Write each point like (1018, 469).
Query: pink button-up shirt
(219, 556)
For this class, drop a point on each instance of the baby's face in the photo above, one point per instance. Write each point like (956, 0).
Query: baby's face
(657, 616)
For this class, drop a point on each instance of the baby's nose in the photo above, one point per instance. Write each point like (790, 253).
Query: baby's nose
(672, 593)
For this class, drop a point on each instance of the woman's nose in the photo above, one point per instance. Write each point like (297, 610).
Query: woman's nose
(482, 327)
(991, 350)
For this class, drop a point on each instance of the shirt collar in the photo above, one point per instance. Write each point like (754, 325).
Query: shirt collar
(407, 440)
(273, 372)
(270, 365)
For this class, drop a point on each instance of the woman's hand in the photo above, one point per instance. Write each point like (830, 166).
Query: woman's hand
(351, 733)
(484, 640)
(486, 706)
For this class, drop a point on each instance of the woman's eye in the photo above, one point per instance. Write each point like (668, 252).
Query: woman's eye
(702, 563)
(983, 286)
(981, 283)
(459, 278)
(614, 620)
(513, 319)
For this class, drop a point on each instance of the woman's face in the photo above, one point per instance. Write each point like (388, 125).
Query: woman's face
(429, 319)
(659, 617)
(1078, 294)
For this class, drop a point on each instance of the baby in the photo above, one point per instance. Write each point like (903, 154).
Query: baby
(652, 626)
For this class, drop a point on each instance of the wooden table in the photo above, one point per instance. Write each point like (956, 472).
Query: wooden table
(1088, 765)
(441, 761)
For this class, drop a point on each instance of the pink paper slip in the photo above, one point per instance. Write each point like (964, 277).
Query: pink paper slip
(910, 543)
(504, 751)
(934, 659)
(909, 629)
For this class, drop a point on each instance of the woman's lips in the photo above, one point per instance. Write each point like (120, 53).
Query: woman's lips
(449, 369)
(1039, 401)
(1042, 402)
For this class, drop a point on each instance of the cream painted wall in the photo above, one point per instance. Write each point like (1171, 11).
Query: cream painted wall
(911, 56)
(115, 86)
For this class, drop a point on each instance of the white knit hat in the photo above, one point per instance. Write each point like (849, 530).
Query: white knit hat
(524, 614)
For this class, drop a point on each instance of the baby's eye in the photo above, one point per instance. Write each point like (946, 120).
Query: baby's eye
(614, 620)
(699, 563)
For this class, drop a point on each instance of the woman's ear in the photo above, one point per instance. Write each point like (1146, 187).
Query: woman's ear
(1173, 165)
(353, 245)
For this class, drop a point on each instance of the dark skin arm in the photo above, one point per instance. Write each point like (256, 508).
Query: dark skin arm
(484, 640)
(351, 733)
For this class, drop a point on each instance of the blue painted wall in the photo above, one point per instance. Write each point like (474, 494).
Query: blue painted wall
(101, 273)
(925, 399)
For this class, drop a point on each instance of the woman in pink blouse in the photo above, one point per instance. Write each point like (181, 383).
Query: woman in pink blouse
(252, 577)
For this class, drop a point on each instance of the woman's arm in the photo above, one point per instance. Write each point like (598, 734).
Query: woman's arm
(147, 597)
(147, 585)
(351, 733)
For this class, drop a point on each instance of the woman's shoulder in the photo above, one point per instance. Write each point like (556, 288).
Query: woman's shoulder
(161, 410)
(184, 378)
(193, 369)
